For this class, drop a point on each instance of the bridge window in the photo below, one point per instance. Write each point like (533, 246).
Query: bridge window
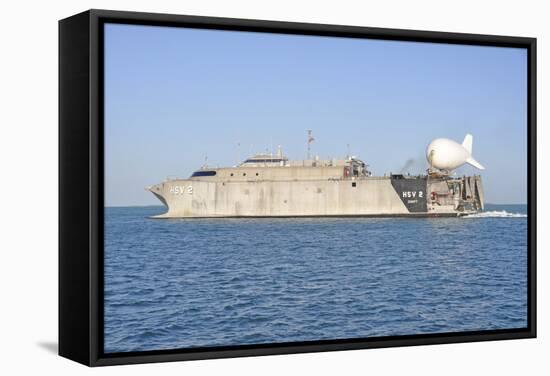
(203, 173)
(268, 160)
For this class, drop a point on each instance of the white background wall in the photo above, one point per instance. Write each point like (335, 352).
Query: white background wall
(28, 185)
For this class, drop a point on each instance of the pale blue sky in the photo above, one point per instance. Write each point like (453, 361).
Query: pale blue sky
(174, 95)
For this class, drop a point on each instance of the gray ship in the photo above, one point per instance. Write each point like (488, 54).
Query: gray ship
(266, 185)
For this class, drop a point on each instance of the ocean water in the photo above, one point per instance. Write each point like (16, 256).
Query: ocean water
(215, 282)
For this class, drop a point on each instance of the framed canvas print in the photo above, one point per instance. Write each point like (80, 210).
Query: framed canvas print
(236, 187)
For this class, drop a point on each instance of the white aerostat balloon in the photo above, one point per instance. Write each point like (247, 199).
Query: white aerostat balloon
(446, 154)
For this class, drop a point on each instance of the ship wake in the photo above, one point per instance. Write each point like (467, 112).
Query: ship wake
(496, 214)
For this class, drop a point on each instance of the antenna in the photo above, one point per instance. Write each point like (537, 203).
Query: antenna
(347, 150)
(310, 139)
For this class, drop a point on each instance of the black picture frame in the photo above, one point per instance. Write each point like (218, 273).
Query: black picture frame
(81, 169)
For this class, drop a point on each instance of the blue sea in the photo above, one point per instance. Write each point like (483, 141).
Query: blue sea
(184, 283)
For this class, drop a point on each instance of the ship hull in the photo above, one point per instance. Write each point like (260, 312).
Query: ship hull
(394, 196)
